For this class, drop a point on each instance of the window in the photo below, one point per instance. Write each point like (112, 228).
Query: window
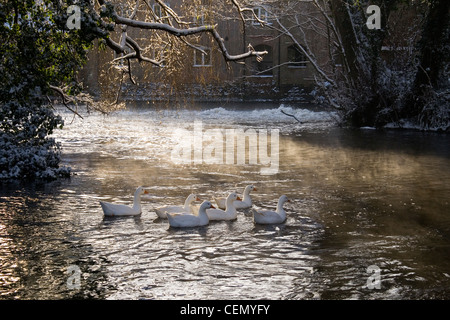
(262, 15)
(201, 59)
(263, 68)
(296, 58)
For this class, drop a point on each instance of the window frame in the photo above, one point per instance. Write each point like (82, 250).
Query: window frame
(208, 57)
(296, 64)
(260, 10)
(270, 64)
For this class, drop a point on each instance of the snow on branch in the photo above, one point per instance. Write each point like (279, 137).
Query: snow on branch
(179, 32)
(241, 11)
(66, 99)
(319, 70)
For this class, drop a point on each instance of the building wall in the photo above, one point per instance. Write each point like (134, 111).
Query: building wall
(245, 75)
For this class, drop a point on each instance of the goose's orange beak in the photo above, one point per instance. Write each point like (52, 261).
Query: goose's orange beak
(212, 207)
(238, 199)
(254, 189)
(197, 199)
(145, 191)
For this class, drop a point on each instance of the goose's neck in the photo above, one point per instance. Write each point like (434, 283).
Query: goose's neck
(202, 212)
(137, 202)
(280, 209)
(230, 210)
(246, 198)
(229, 207)
(187, 204)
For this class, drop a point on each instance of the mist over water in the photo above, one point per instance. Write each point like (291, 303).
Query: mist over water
(358, 198)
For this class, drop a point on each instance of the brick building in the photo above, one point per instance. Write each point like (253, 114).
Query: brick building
(282, 69)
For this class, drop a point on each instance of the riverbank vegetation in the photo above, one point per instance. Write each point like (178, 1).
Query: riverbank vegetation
(44, 43)
(397, 75)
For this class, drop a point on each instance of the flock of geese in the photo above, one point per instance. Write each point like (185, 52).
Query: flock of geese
(191, 215)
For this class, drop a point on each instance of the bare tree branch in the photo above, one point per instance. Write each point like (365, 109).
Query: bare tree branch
(128, 47)
(169, 10)
(307, 54)
(65, 99)
(187, 32)
(241, 11)
(290, 115)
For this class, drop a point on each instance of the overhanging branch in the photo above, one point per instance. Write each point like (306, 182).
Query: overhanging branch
(178, 32)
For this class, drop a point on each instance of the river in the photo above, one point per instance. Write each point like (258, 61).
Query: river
(369, 216)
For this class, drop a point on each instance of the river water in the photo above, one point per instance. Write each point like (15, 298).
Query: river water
(369, 216)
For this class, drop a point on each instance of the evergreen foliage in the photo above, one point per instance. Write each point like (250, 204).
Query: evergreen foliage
(37, 51)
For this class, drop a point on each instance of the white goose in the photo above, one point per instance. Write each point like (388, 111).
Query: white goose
(244, 204)
(111, 209)
(271, 217)
(161, 211)
(229, 213)
(181, 220)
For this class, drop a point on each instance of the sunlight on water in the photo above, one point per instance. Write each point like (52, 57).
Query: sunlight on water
(358, 198)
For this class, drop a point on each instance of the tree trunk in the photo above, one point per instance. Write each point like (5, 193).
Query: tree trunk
(434, 38)
(349, 41)
(433, 57)
(362, 58)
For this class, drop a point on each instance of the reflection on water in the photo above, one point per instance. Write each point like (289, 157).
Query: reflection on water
(359, 198)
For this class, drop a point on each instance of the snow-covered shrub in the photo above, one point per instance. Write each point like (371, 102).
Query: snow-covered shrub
(395, 75)
(35, 54)
(26, 151)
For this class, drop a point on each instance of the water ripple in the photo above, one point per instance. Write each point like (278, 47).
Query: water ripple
(356, 202)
